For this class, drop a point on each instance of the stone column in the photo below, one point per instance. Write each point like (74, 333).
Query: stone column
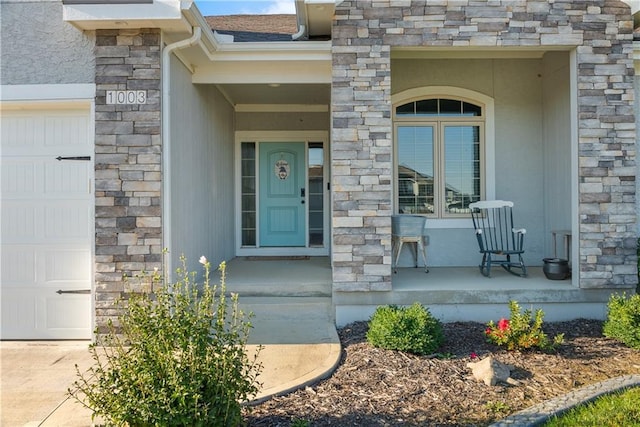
(128, 162)
(361, 155)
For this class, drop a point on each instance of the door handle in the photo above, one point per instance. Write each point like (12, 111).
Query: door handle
(302, 192)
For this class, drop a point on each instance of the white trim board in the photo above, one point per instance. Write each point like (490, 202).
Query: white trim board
(48, 92)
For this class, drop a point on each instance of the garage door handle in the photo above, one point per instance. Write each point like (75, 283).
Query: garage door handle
(74, 158)
(74, 291)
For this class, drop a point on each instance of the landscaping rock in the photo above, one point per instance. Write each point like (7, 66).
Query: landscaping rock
(491, 371)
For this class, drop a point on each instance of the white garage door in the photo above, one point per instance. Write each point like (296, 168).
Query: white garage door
(46, 217)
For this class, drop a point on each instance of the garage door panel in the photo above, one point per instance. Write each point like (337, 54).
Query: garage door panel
(66, 179)
(18, 314)
(21, 222)
(20, 179)
(46, 225)
(61, 312)
(22, 132)
(46, 316)
(67, 267)
(45, 132)
(18, 267)
(65, 131)
(35, 178)
(67, 221)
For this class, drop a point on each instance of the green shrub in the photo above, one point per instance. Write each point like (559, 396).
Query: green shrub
(520, 331)
(177, 357)
(412, 329)
(623, 319)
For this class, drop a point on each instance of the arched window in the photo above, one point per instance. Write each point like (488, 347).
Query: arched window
(439, 149)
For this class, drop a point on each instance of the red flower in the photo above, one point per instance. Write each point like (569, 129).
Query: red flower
(488, 331)
(503, 324)
(473, 355)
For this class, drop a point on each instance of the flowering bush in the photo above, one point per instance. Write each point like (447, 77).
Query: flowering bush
(176, 357)
(520, 331)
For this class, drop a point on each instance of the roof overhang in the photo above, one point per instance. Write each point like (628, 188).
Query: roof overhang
(165, 14)
(316, 16)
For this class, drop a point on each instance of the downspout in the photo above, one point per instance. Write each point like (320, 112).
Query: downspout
(301, 17)
(301, 32)
(166, 142)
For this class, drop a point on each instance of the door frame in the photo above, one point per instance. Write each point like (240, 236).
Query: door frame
(282, 136)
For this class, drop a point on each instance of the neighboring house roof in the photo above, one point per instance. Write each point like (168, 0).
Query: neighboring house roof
(255, 28)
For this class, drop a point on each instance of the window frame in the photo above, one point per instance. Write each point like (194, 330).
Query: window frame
(438, 123)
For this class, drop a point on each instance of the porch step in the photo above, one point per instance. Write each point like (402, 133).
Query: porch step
(272, 278)
(290, 320)
(280, 290)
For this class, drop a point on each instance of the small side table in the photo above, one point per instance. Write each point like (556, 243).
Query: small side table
(566, 242)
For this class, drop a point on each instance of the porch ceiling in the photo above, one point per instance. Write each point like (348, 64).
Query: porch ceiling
(274, 94)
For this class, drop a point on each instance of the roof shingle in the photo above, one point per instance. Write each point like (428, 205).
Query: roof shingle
(248, 28)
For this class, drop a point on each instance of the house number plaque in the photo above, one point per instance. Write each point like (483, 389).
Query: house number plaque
(128, 97)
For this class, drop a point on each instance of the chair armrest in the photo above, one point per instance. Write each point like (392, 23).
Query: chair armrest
(519, 230)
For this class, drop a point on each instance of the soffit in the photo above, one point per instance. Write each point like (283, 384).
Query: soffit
(281, 95)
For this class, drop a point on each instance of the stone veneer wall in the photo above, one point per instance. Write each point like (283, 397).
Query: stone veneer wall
(128, 162)
(364, 32)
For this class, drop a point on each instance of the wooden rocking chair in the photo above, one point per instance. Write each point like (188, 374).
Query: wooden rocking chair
(493, 223)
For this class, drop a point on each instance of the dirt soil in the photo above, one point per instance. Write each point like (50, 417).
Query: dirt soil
(376, 387)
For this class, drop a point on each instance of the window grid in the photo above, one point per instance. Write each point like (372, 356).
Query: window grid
(248, 193)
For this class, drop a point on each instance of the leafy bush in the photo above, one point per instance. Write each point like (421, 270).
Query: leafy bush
(177, 357)
(520, 331)
(623, 319)
(412, 329)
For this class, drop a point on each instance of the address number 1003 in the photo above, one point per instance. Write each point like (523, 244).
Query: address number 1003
(126, 97)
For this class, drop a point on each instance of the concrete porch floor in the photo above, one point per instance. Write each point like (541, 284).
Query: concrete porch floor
(451, 293)
(311, 277)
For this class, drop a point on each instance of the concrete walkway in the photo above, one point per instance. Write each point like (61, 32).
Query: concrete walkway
(35, 376)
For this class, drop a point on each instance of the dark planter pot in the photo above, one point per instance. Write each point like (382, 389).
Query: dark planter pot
(556, 268)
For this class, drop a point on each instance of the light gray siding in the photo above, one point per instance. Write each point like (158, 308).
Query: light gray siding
(38, 47)
(202, 202)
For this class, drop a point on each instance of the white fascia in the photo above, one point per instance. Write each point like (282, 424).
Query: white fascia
(274, 51)
(164, 14)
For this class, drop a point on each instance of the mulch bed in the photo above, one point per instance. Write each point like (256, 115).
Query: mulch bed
(376, 387)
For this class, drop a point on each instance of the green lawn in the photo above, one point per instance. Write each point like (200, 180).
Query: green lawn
(620, 409)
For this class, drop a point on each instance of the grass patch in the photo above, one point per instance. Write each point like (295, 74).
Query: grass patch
(621, 409)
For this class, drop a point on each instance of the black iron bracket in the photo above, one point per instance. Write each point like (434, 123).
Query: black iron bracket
(74, 291)
(86, 158)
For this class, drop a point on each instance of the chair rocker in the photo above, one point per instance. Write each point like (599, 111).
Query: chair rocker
(498, 239)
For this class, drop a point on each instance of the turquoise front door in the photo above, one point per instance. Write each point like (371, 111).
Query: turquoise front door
(282, 194)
